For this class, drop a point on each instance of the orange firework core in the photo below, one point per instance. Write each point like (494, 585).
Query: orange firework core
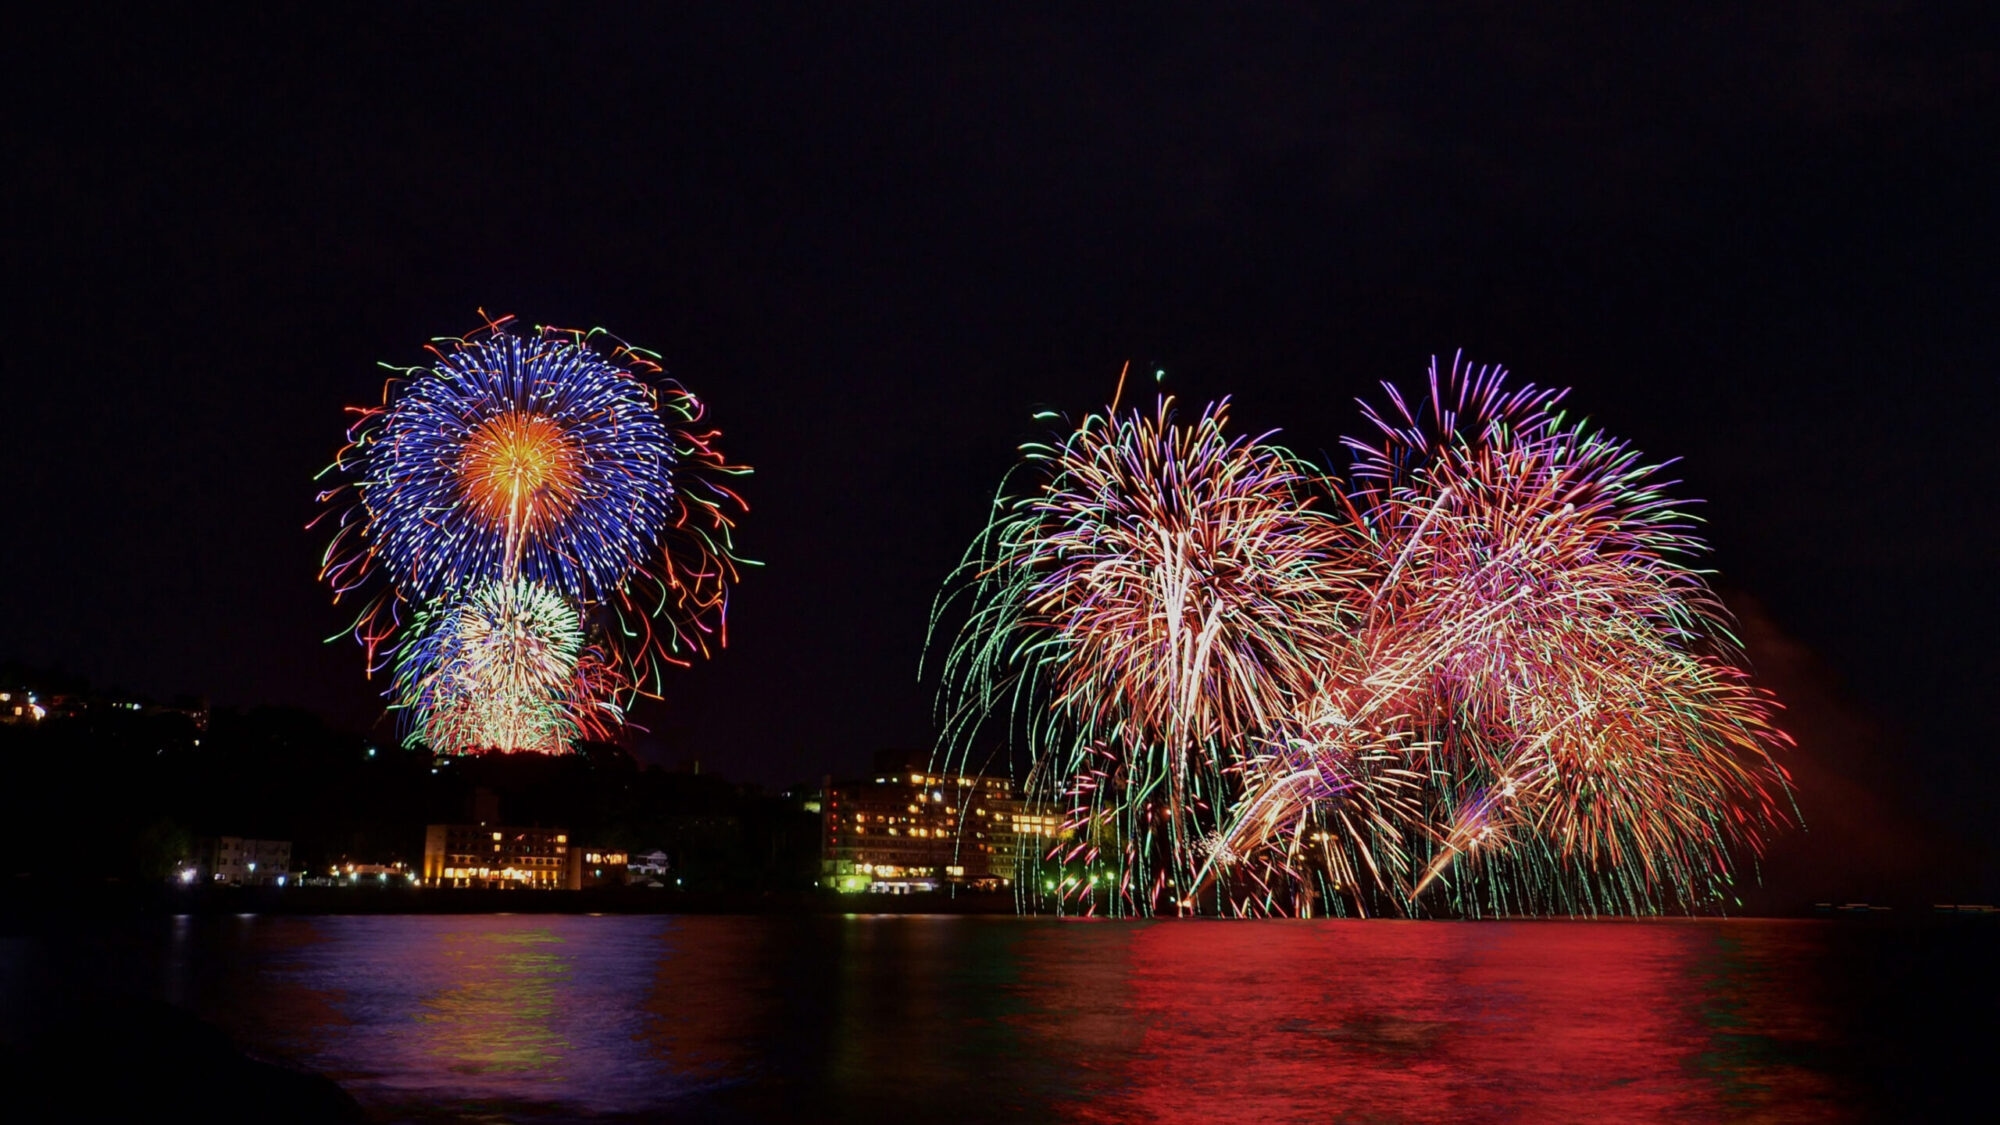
(520, 470)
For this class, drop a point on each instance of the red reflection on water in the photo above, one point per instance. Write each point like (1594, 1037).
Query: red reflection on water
(1410, 1022)
(969, 1020)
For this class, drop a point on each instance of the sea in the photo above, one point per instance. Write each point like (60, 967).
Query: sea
(959, 1019)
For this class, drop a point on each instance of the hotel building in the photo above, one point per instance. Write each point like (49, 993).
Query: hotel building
(487, 855)
(908, 828)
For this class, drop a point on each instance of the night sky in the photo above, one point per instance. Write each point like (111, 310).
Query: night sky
(1761, 243)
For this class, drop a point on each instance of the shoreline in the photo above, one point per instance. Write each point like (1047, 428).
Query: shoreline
(28, 901)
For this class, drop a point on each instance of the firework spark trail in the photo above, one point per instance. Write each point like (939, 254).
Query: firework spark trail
(1332, 804)
(1536, 642)
(1143, 611)
(1486, 667)
(516, 473)
(1582, 672)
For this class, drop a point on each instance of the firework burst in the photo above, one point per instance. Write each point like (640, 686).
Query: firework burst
(1145, 609)
(519, 482)
(1483, 674)
(1542, 649)
(503, 667)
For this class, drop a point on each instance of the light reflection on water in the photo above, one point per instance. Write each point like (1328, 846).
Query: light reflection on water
(497, 1013)
(973, 1019)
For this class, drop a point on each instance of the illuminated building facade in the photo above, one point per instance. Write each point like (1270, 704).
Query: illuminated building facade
(595, 867)
(238, 861)
(489, 855)
(25, 706)
(348, 873)
(21, 706)
(907, 828)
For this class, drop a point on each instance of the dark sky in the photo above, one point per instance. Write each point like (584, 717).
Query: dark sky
(1762, 243)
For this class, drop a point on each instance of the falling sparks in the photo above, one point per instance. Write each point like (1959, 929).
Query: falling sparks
(1483, 673)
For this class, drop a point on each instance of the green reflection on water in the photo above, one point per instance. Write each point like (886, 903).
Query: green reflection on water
(1763, 1054)
(497, 1016)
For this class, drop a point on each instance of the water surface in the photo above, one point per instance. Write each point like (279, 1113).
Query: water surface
(962, 1019)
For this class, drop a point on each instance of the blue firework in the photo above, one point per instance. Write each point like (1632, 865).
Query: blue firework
(513, 456)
